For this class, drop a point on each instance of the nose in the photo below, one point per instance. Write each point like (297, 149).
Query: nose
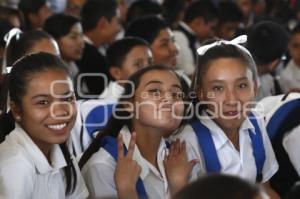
(230, 97)
(61, 110)
(174, 48)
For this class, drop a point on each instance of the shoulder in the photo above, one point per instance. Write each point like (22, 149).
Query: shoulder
(100, 162)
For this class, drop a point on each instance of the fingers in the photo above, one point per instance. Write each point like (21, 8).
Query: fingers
(191, 164)
(131, 145)
(120, 147)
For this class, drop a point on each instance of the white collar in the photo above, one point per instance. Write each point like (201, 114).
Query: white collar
(219, 134)
(88, 40)
(186, 27)
(139, 158)
(41, 163)
(113, 91)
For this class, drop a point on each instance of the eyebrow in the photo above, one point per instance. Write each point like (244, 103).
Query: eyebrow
(159, 82)
(67, 93)
(222, 81)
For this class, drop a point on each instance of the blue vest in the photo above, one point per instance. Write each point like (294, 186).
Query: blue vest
(210, 155)
(111, 146)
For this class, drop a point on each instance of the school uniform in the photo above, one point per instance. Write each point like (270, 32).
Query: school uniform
(290, 77)
(93, 115)
(26, 173)
(281, 114)
(186, 40)
(239, 163)
(99, 171)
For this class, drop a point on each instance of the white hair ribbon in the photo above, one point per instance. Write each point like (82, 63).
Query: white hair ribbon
(13, 32)
(236, 42)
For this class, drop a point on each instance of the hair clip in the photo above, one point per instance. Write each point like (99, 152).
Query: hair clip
(13, 32)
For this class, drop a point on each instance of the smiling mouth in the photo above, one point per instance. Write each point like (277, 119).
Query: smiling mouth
(231, 113)
(57, 126)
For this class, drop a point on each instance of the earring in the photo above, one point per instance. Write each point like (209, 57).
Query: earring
(18, 118)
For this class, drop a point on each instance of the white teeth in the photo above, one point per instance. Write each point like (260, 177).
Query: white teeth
(57, 126)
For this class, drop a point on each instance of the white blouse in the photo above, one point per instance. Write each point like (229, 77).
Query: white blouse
(26, 173)
(99, 171)
(240, 163)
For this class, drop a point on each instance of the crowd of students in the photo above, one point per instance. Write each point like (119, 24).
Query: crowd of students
(149, 99)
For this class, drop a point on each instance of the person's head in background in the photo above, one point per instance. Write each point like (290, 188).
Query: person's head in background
(217, 186)
(30, 42)
(14, 16)
(202, 18)
(173, 11)
(230, 16)
(267, 42)
(67, 31)
(158, 34)
(294, 45)
(141, 8)
(35, 12)
(126, 56)
(100, 21)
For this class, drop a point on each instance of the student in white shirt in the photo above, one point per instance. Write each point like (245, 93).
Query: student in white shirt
(281, 113)
(146, 113)
(225, 87)
(124, 57)
(290, 76)
(35, 161)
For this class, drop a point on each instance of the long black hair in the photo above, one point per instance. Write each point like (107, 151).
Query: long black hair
(115, 124)
(19, 78)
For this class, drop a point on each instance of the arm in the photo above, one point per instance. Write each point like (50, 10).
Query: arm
(272, 194)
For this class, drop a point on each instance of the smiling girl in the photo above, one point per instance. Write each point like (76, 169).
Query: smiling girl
(226, 134)
(151, 111)
(34, 158)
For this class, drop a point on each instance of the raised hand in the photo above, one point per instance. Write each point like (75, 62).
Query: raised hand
(127, 170)
(177, 166)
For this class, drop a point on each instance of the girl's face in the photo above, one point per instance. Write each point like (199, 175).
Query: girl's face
(72, 44)
(228, 89)
(158, 101)
(48, 110)
(164, 48)
(137, 58)
(294, 48)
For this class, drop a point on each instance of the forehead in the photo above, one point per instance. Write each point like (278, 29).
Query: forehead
(164, 33)
(226, 68)
(165, 76)
(48, 81)
(137, 51)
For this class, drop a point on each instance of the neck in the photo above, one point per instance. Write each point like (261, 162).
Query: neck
(148, 141)
(44, 147)
(233, 136)
(94, 37)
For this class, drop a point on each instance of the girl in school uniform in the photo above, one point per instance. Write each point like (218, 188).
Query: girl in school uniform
(34, 158)
(225, 134)
(147, 112)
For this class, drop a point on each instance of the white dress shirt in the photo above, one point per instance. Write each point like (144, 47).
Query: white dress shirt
(26, 173)
(99, 171)
(290, 77)
(292, 147)
(240, 163)
(185, 59)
